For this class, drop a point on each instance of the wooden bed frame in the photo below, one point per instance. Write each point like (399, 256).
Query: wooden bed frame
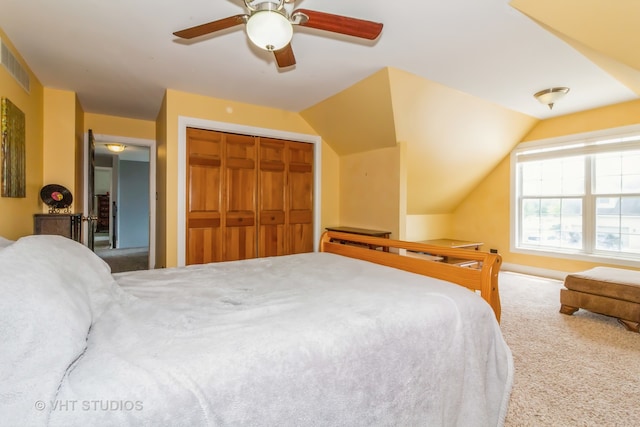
(482, 279)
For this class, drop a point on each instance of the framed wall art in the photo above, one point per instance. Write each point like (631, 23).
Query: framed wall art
(12, 153)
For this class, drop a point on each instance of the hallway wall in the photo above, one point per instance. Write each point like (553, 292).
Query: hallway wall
(133, 204)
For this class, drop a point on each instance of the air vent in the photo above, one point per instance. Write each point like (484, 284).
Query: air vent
(13, 66)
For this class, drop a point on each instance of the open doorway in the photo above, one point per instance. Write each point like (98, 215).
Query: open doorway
(124, 203)
(103, 236)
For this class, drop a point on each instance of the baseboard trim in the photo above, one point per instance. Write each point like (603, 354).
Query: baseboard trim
(534, 271)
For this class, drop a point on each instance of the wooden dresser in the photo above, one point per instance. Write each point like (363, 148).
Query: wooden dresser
(67, 225)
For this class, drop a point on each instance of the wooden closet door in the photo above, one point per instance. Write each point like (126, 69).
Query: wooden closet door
(204, 190)
(240, 232)
(300, 197)
(272, 198)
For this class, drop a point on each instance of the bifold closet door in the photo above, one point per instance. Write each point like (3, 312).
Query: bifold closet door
(272, 195)
(247, 197)
(239, 217)
(300, 197)
(221, 189)
(204, 196)
(285, 197)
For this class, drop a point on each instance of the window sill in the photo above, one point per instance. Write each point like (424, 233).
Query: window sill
(595, 258)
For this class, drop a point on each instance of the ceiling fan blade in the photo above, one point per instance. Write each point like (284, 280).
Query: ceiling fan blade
(285, 57)
(210, 27)
(341, 24)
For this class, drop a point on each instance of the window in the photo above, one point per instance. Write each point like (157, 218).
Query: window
(578, 198)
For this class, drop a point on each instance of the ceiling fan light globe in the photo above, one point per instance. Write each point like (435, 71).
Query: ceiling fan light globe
(269, 30)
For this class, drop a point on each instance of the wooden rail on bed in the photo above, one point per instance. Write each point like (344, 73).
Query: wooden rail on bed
(483, 279)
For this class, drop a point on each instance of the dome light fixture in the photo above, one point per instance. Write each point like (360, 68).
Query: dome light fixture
(116, 148)
(268, 27)
(550, 96)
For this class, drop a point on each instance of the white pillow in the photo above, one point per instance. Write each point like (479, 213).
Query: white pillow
(50, 290)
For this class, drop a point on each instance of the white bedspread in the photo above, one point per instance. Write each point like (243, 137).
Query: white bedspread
(303, 340)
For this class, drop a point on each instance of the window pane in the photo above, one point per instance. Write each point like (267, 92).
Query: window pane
(608, 223)
(552, 223)
(617, 173)
(631, 163)
(631, 183)
(608, 184)
(531, 221)
(571, 224)
(552, 177)
(630, 224)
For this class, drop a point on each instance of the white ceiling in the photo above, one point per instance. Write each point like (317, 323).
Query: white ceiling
(120, 55)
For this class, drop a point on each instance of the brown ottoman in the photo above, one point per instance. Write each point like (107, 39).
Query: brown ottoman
(610, 291)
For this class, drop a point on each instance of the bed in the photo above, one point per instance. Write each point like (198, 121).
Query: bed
(336, 337)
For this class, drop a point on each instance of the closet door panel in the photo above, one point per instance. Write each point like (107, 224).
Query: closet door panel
(204, 174)
(203, 244)
(271, 198)
(300, 197)
(240, 240)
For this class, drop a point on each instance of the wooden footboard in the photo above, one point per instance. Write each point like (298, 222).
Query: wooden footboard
(483, 278)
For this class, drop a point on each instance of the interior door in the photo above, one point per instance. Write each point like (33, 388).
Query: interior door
(91, 214)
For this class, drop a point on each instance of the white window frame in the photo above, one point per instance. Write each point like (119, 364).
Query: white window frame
(627, 137)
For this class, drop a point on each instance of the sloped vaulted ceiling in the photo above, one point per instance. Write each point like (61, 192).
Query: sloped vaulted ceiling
(360, 118)
(605, 31)
(453, 139)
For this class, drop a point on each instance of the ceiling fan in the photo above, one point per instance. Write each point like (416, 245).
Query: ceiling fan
(269, 25)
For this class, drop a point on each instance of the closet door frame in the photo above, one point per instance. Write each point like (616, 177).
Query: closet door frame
(185, 122)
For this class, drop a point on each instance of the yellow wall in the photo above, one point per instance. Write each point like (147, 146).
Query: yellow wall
(358, 118)
(201, 107)
(79, 196)
(330, 187)
(161, 185)
(370, 190)
(623, 114)
(448, 134)
(485, 214)
(59, 148)
(426, 227)
(102, 124)
(16, 214)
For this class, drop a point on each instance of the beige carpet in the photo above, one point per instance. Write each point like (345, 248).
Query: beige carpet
(580, 370)
(125, 259)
